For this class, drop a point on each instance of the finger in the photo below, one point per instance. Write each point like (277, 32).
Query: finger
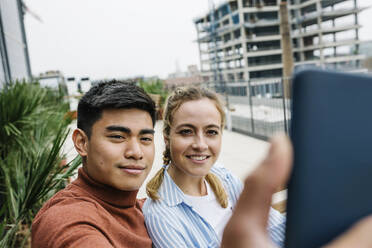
(247, 226)
(357, 236)
(259, 187)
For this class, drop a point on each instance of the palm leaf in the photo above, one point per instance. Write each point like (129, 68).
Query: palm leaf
(32, 134)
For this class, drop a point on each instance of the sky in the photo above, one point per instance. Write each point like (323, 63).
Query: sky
(120, 38)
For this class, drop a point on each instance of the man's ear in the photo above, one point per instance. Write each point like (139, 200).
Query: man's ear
(81, 141)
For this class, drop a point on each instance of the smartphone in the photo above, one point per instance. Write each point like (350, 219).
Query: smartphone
(330, 187)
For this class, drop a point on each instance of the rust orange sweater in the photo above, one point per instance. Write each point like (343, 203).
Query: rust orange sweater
(88, 214)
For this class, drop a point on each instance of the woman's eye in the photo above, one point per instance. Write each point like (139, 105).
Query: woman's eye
(185, 132)
(212, 132)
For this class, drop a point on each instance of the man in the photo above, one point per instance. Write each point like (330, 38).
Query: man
(115, 140)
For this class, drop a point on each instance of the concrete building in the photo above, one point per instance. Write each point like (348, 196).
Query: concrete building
(366, 49)
(14, 59)
(85, 84)
(190, 77)
(52, 79)
(240, 41)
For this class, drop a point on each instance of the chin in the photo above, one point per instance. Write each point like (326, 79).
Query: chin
(199, 173)
(128, 187)
(203, 169)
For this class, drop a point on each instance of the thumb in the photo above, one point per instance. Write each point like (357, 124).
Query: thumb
(247, 226)
(259, 187)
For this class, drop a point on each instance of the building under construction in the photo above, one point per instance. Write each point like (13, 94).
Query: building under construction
(240, 41)
(14, 59)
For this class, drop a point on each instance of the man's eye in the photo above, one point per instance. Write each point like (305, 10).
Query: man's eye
(116, 137)
(146, 139)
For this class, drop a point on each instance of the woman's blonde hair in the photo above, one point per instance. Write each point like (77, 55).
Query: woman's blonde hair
(174, 101)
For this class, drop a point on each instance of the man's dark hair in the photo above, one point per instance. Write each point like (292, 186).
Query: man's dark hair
(112, 94)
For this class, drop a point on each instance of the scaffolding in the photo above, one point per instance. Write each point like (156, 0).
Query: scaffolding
(240, 40)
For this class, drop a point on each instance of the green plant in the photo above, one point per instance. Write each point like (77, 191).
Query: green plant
(155, 86)
(33, 131)
(23, 106)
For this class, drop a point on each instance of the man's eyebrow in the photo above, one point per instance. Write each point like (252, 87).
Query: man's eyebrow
(119, 128)
(128, 131)
(147, 131)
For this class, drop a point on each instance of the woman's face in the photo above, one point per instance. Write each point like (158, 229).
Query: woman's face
(195, 137)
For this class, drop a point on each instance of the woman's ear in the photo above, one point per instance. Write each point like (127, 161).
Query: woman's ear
(81, 141)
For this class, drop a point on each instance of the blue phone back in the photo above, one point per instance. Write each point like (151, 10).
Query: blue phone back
(331, 184)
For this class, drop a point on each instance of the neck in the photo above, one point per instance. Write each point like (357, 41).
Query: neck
(189, 185)
(120, 198)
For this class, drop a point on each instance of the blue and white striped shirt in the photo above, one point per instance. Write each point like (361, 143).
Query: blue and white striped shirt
(171, 221)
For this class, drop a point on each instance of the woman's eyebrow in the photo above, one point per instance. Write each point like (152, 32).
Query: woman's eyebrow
(185, 125)
(192, 126)
(213, 126)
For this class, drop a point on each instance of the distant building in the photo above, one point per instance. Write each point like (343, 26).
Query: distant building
(191, 77)
(85, 84)
(366, 49)
(14, 59)
(72, 86)
(73, 92)
(52, 79)
(240, 41)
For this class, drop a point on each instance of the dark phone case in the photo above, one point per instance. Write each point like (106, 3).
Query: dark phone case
(331, 183)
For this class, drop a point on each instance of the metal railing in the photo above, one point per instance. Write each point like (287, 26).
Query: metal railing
(256, 109)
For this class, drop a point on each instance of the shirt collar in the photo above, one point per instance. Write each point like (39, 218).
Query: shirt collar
(169, 192)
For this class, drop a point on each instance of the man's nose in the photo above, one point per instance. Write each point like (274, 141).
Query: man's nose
(133, 150)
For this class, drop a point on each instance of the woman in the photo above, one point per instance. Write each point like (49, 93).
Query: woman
(190, 200)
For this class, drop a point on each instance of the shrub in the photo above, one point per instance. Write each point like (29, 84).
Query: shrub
(33, 131)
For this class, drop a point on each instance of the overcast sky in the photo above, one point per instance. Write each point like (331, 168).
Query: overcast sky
(120, 38)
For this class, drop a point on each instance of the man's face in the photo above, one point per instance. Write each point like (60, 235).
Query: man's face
(120, 151)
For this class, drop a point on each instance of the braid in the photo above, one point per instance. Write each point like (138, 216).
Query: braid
(154, 184)
(166, 156)
(218, 189)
